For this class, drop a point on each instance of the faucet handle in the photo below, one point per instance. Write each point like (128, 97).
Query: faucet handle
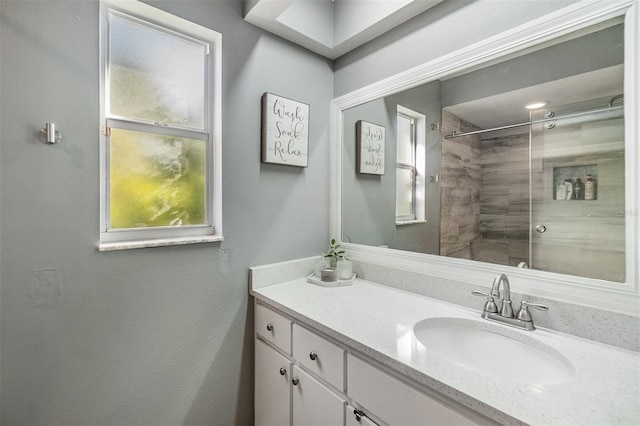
(538, 306)
(524, 314)
(490, 306)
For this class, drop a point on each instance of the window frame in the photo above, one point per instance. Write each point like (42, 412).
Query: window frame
(418, 166)
(211, 134)
(411, 167)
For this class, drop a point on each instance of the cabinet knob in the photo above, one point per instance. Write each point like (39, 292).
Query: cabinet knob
(358, 414)
(295, 381)
(313, 356)
(283, 371)
(269, 327)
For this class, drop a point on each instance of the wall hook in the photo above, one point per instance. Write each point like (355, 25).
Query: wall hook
(49, 134)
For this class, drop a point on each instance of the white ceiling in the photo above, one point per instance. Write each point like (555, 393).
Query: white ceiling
(332, 28)
(508, 108)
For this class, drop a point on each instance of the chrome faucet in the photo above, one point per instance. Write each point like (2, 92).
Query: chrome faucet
(490, 312)
(505, 310)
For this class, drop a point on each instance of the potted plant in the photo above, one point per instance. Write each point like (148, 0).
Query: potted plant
(334, 254)
(338, 260)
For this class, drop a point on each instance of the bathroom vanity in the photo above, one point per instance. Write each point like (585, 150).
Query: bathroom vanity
(351, 355)
(301, 377)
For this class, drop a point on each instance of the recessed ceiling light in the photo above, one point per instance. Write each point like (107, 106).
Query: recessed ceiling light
(536, 105)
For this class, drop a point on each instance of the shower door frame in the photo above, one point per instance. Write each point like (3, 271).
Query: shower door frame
(542, 199)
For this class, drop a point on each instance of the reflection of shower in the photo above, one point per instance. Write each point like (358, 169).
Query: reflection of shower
(498, 186)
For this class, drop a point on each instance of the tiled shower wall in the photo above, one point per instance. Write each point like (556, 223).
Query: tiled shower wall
(484, 195)
(504, 201)
(459, 189)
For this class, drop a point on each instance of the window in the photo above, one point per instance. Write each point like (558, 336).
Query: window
(161, 143)
(410, 166)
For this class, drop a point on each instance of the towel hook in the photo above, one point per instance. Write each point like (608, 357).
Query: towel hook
(49, 134)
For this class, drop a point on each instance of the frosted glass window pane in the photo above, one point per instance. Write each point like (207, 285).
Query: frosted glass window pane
(405, 142)
(155, 76)
(155, 180)
(404, 192)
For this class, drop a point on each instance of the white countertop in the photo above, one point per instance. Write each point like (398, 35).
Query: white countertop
(377, 320)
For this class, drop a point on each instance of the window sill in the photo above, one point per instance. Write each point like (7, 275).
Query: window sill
(160, 242)
(410, 222)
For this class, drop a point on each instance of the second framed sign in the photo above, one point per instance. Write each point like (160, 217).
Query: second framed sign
(370, 145)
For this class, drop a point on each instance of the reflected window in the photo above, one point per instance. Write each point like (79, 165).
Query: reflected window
(405, 168)
(410, 165)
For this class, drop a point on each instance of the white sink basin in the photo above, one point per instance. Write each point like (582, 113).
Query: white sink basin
(494, 350)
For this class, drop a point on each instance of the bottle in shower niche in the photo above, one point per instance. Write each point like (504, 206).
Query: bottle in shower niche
(578, 190)
(568, 183)
(561, 191)
(590, 188)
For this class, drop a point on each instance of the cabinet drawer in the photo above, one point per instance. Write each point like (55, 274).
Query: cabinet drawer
(319, 356)
(393, 401)
(273, 327)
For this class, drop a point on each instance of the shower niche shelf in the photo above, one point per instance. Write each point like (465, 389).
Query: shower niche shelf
(575, 172)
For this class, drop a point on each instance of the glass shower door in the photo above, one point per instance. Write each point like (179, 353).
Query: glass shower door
(578, 190)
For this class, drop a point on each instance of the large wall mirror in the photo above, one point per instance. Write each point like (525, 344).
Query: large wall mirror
(502, 158)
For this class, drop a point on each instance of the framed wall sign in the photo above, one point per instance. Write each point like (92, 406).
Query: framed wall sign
(285, 131)
(370, 144)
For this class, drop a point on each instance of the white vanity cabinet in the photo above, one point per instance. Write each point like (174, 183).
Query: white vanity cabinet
(303, 378)
(284, 392)
(395, 402)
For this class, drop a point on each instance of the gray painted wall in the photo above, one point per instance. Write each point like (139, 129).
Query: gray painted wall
(570, 58)
(151, 336)
(368, 201)
(448, 26)
(369, 206)
(422, 237)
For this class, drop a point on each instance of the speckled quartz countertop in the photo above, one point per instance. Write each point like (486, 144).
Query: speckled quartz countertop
(377, 320)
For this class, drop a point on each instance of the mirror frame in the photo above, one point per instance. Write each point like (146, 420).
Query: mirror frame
(620, 297)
